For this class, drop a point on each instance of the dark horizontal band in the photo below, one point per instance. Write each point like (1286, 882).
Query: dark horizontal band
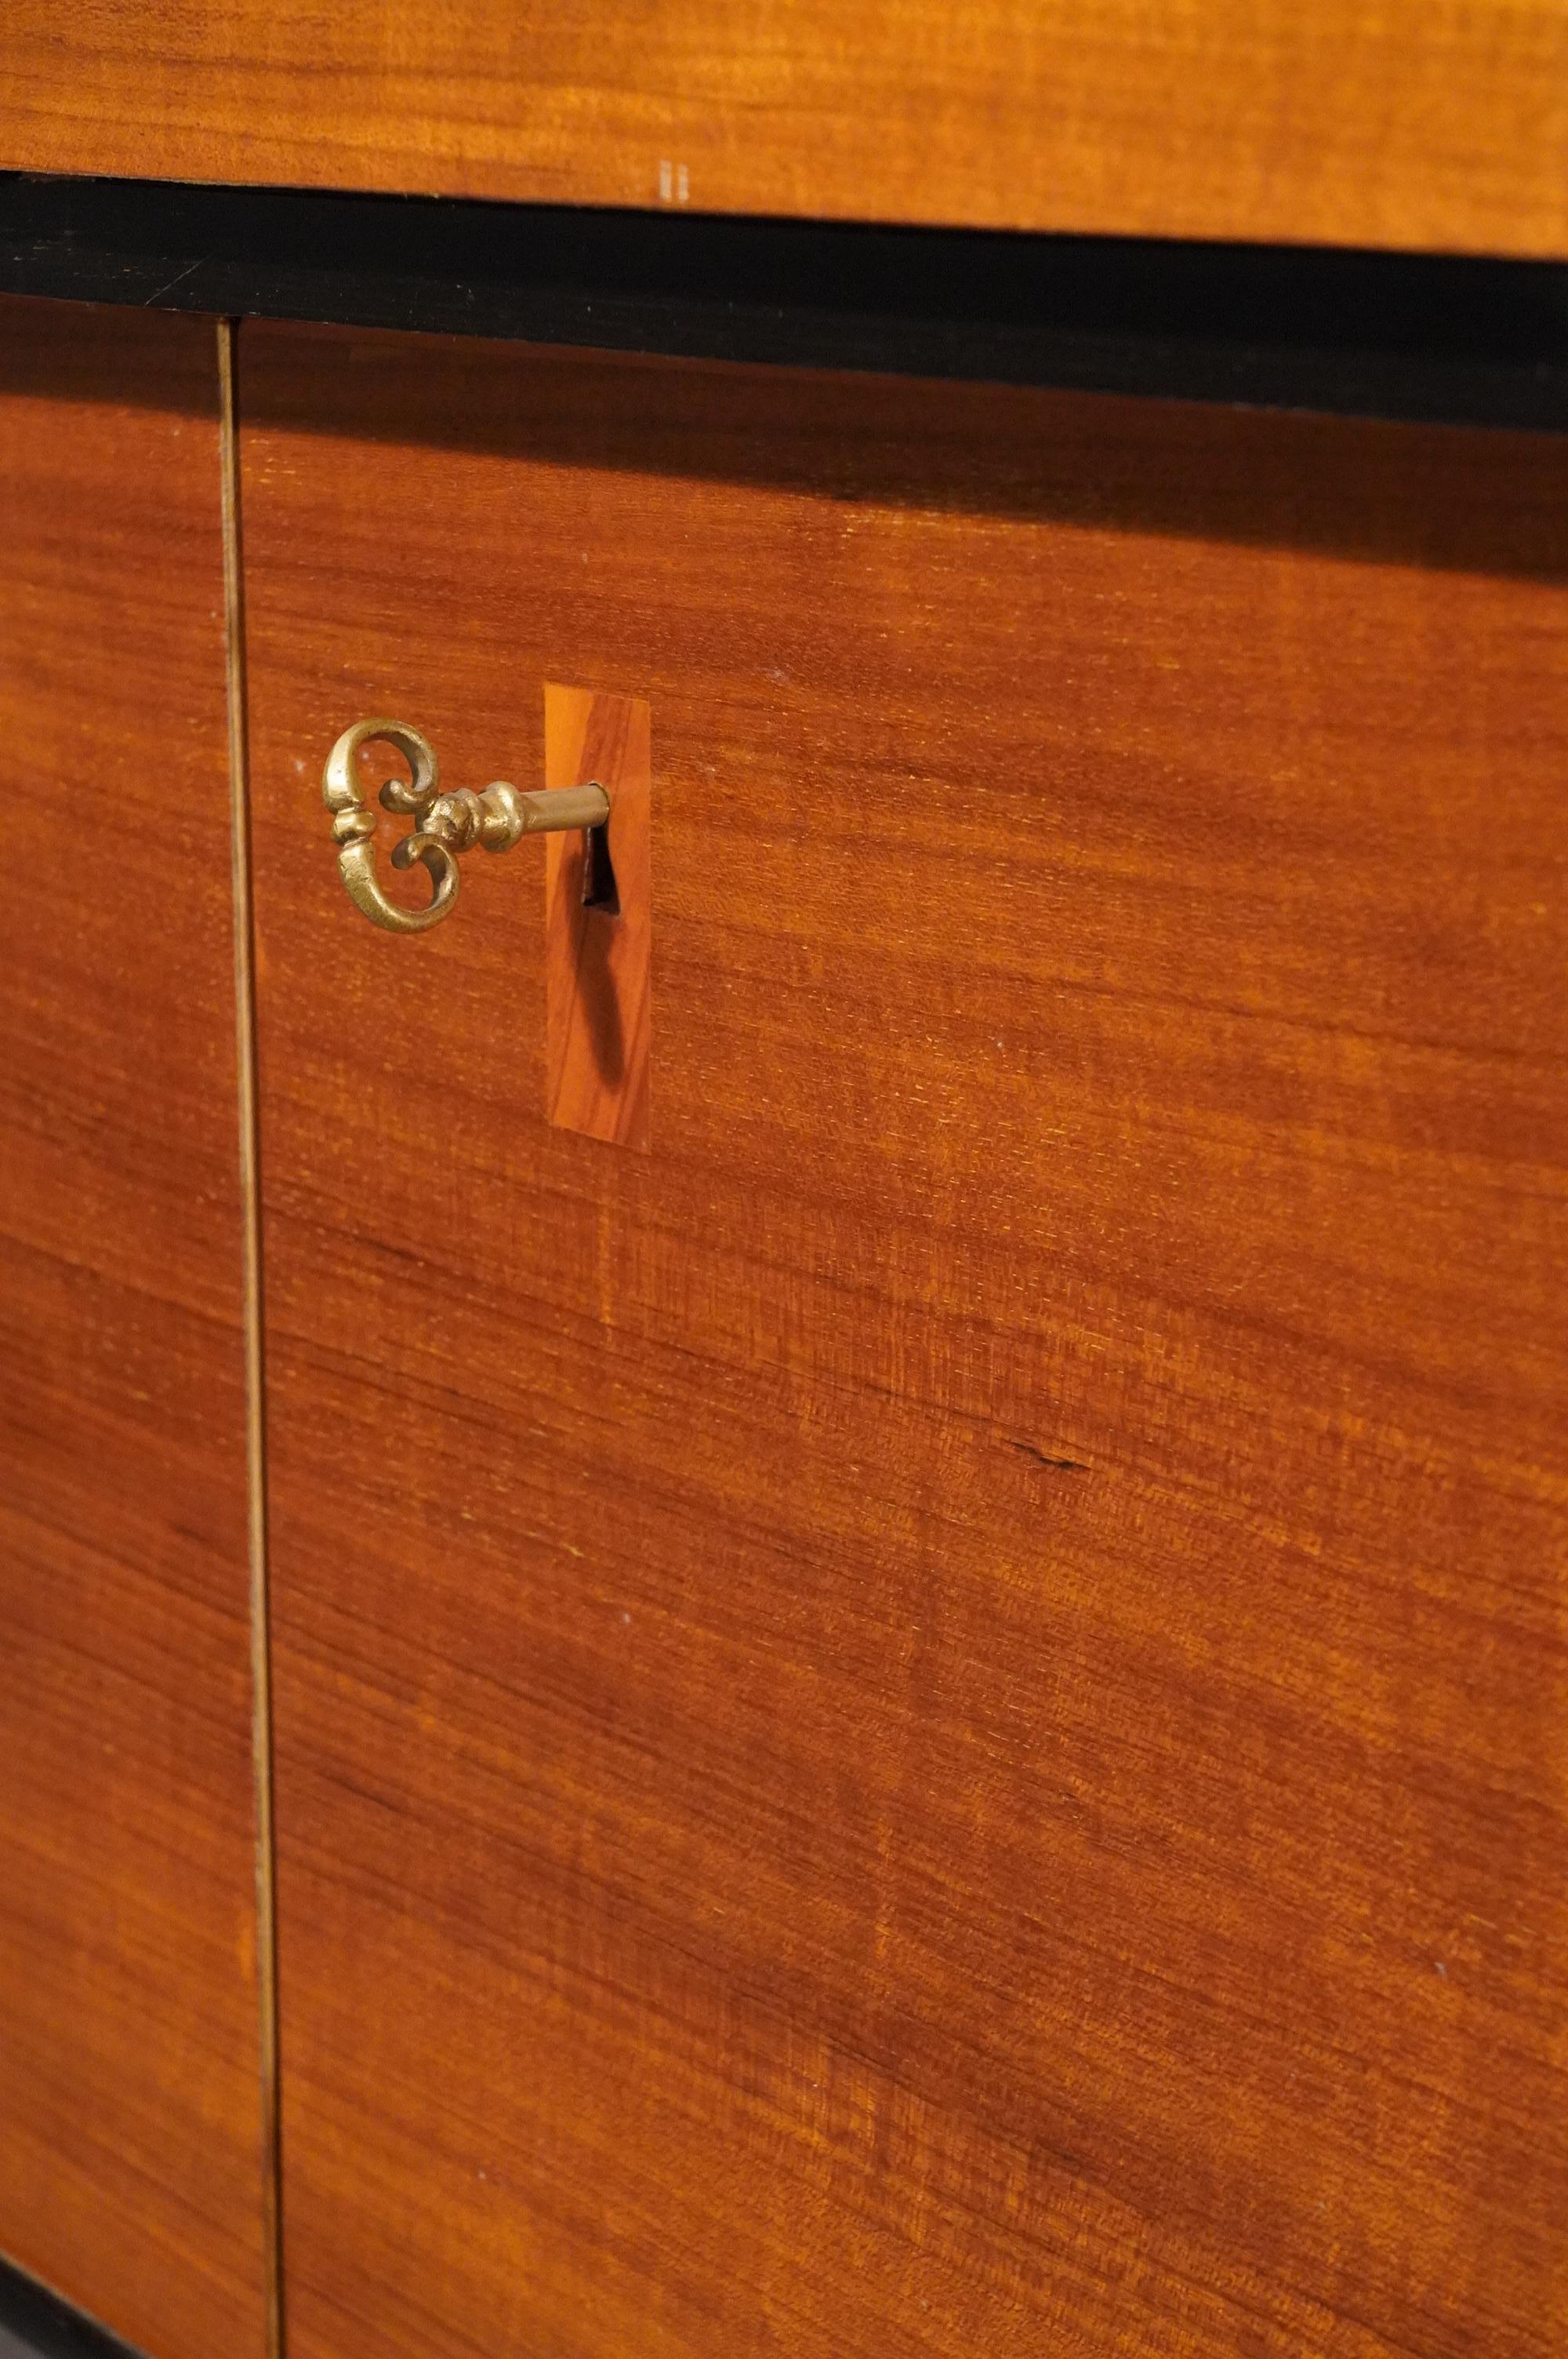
(1470, 342)
(36, 2322)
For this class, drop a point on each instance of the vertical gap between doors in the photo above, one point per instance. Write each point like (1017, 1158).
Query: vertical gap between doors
(254, 1346)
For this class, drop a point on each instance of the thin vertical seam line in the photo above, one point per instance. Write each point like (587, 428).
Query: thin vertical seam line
(255, 1341)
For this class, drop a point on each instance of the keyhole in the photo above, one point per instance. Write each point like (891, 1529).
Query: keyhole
(599, 890)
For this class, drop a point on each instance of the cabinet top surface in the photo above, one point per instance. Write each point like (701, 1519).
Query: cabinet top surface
(1397, 126)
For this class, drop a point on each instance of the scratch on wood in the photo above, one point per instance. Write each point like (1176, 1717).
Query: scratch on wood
(1043, 1458)
(159, 292)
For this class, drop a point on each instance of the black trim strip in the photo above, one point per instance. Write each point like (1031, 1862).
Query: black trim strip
(45, 2327)
(1476, 342)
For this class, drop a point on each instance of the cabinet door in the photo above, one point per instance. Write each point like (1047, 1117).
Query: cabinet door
(931, 1716)
(130, 2107)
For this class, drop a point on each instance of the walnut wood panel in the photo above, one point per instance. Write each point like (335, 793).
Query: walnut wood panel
(598, 1016)
(1399, 124)
(130, 2139)
(932, 1719)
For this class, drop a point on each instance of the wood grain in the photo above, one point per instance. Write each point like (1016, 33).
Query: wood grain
(130, 2131)
(933, 1719)
(1401, 124)
(598, 1010)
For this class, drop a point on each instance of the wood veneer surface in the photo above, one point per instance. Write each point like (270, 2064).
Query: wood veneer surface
(933, 1718)
(1401, 124)
(130, 2137)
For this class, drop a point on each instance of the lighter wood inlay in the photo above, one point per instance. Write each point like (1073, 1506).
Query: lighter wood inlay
(254, 1349)
(598, 960)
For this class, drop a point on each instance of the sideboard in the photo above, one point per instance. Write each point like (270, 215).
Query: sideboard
(785, 1578)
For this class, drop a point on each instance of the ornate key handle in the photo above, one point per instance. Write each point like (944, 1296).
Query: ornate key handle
(444, 825)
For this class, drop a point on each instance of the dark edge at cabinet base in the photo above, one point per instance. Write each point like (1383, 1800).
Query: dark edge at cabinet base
(46, 2328)
(1442, 339)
